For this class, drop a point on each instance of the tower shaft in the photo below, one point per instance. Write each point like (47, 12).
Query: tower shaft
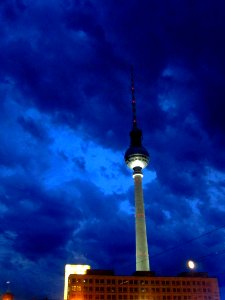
(142, 257)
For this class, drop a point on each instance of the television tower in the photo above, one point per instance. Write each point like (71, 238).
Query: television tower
(137, 158)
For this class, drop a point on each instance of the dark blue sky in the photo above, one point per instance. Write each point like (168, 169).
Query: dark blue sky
(65, 113)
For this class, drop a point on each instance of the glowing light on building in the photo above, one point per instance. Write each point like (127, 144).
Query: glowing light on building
(73, 269)
(7, 296)
(191, 264)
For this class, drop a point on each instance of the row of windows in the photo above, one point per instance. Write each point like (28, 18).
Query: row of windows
(146, 297)
(78, 288)
(140, 282)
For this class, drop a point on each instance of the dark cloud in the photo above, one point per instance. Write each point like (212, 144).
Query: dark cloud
(33, 127)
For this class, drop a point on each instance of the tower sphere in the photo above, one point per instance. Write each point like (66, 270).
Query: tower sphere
(136, 155)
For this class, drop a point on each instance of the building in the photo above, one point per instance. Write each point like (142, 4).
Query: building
(104, 285)
(85, 283)
(7, 296)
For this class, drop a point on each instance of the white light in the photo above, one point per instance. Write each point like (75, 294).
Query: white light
(73, 269)
(191, 264)
(137, 163)
(137, 174)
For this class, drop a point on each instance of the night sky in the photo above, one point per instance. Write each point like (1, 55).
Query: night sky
(65, 113)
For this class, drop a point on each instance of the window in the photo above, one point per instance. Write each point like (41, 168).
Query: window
(76, 288)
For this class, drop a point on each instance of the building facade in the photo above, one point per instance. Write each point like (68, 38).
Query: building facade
(104, 285)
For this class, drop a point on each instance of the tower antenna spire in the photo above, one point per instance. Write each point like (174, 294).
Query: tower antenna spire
(134, 116)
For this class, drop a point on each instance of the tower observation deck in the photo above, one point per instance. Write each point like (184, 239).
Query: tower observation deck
(137, 158)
